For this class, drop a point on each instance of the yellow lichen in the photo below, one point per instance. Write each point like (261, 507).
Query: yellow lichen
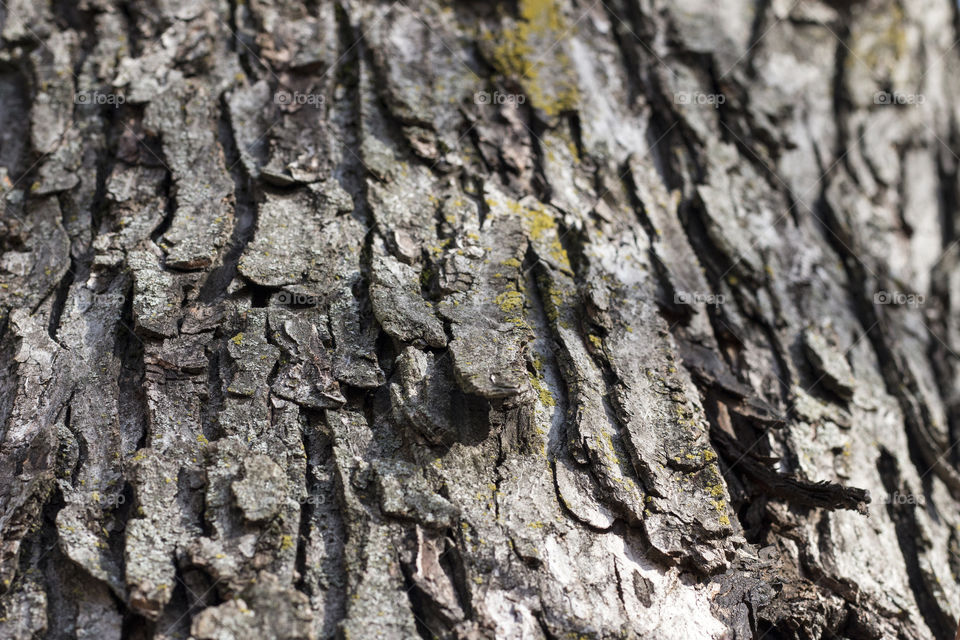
(540, 221)
(511, 303)
(546, 398)
(516, 54)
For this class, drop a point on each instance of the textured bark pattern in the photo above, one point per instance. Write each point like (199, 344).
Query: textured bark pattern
(626, 319)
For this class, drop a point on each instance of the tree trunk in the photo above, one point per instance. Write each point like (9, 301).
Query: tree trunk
(627, 319)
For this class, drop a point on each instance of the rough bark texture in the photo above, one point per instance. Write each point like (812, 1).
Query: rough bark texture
(625, 319)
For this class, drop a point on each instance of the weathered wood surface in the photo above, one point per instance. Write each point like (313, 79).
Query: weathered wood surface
(626, 319)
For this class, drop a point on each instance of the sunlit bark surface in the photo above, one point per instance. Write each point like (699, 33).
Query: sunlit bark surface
(430, 319)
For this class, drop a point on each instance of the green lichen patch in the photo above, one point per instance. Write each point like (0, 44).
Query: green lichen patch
(529, 50)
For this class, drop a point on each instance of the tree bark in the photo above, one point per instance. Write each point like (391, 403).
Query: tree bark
(626, 319)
